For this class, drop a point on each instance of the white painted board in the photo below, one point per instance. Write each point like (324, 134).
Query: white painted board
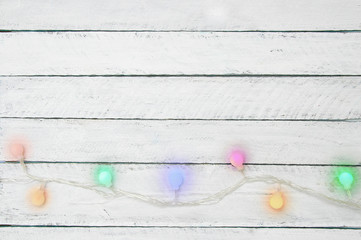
(126, 233)
(269, 142)
(179, 53)
(227, 98)
(186, 15)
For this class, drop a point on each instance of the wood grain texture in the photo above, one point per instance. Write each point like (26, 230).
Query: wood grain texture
(184, 141)
(109, 233)
(247, 206)
(314, 98)
(175, 53)
(189, 15)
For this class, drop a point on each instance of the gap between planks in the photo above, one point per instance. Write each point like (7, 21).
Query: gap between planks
(181, 31)
(189, 163)
(180, 227)
(186, 119)
(183, 75)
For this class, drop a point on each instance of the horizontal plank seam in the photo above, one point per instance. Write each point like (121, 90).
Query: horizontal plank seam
(184, 75)
(189, 163)
(181, 31)
(187, 119)
(182, 227)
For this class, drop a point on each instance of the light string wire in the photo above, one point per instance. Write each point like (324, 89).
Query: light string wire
(211, 199)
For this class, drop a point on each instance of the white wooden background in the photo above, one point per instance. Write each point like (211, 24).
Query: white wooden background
(138, 83)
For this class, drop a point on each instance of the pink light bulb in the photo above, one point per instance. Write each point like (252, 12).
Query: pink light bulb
(17, 150)
(237, 158)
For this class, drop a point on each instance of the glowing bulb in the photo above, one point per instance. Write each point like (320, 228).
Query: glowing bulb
(104, 176)
(38, 196)
(277, 201)
(346, 179)
(17, 150)
(237, 159)
(175, 178)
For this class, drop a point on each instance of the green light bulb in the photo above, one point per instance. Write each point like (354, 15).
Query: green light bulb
(104, 176)
(346, 179)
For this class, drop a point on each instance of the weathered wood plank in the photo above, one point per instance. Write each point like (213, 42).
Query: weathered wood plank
(177, 53)
(182, 98)
(247, 206)
(75, 233)
(181, 15)
(184, 141)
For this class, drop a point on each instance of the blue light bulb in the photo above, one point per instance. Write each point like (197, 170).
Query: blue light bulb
(175, 178)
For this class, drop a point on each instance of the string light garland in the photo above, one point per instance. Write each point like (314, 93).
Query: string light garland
(105, 176)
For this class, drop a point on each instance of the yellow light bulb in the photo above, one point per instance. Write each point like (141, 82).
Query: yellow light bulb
(277, 201)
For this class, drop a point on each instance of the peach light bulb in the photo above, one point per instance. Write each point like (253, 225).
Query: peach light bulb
(38, 196)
